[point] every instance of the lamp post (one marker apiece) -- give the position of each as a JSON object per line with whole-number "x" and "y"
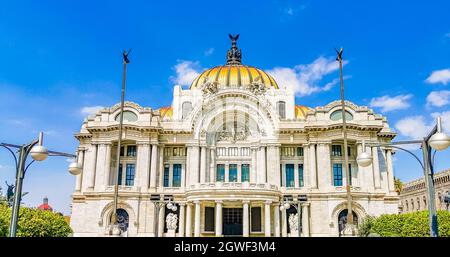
{"x": 114, "y": 226}
{"x": 349, "y": 226}
{"x": 436, "y": 140}
{"x": 160, "y": 202}
{"x": 39, "y": 153}
{"x": 286, "y": 203}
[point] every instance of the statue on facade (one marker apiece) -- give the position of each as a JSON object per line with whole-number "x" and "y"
{"x": 257, "y": 87}
{"x": 209, "y": 87}
{"x": 293, "y": 223}
{"x": 171, "y": 221}
{"x": 234, "y": 55}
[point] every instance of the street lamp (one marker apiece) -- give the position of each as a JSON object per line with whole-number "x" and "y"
{"x": 437, "y": 140}
{"x": 39, "y": 153}
{"x": 161, "y": 202}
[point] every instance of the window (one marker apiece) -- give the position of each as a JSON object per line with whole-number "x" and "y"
{"x": 299, "y": 151}
{"x": 350, "y": 173}
{"x": 131, "y": 150}
{"x": 129, "y": 179}
{"x": 290, "y": 182}
{"x": 176, "y": 180}
{"x": 120, "y": 175}
{"x": 122, "y": 219}
{"x": 232, "y": 175}
{"x": 209, "y": 219}
{"x": 337, "y": 115}
{"x": 187, "y": 107}
{"x": 256, "y": 219}
{"x": 220, "y": 173}
{"x": 300, "y": 175}
{"x": 337, "y": 174}
{"x": 336, "y": 150}
{"x": 281, "y": 108}
{"x": 127, "y": 116}
{"x": 166, "y": 175}
{"x": 245, "y": 173}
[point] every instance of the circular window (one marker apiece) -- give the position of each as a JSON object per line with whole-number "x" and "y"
{"x": 127, "y": 116}
{"x": 337, "y": 115}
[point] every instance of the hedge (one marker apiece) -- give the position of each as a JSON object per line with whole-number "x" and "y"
{"x": 34, "y": 223}
{"x": 415, "y": 224}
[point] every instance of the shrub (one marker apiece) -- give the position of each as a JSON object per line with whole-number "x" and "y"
{"x": 364, "y": 228}
{"x": 36, "y": 223}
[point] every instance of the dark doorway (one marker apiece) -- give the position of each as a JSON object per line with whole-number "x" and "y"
{"x": 342, "y": 220}
{"x": 232, "y": 221}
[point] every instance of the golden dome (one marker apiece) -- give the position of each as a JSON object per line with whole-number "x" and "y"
{"x": 166, "y": 113}
{"x": 301, "y": 111}
{"x": 234, "y": 75}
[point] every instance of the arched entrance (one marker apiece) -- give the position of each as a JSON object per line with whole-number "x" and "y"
{"x": 342, "y": 220}
{"x": 122, "y": 219}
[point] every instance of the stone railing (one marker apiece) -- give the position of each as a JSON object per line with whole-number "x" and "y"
{"x": 122, "y": 188}
{"x": 233, "y": 186}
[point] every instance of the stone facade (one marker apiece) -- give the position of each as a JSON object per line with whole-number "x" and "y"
{"x": 227, "y": 151}
{"x": 414, "y": 195}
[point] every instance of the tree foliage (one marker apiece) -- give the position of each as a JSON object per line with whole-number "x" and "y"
{"x": 35, "y": 223}
{"x": 415, "y": 224}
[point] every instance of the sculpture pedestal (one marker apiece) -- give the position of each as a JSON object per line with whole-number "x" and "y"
{"x": 294, "y": 233}
{"x": 171, "y": 233}
{"x": 350, "y": 231}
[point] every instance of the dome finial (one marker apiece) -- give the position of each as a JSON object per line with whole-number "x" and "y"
{"x": 234, "y": 55}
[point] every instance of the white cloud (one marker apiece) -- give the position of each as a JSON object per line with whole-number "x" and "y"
{"x": 439, "y": 76}
{"x": 304, "y": 79}
{"x": 90, "y": 110}
{"x": 186, "y": 71}
{"x": 438, "y": 98}
{"x": 391, "y": 103}
{"x": 413, "y": 127}
{"x": 209, "y": 51}
{"x": 445, "y": 120}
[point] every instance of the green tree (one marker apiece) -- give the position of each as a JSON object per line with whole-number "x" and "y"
{"x": 35, "y": 223}
{"x": 398, "y": 185}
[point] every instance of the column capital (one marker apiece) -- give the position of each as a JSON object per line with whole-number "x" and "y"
{"x": 305, "y": 204}
{"x": 182, "y": 203}
{"x": 245, "y": 201}
{"x": 219, "y": 201}
{"x": 196, "y": 202}
{"x": 142, "y": 143}
{"x": 268, "y": 202}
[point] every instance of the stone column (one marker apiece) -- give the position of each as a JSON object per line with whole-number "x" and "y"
{"x": 276, "y": 217}
{"x": 323, "y": 166}
{"x": 142, "y": 166}
{"x": 203, "y": 165}
{"x": 197, "y": 219}
{"x": 306, "y": 170}
{"x": 227, "y": 172}
{"x": 246, "y": 219}
{"x": 218, "y": 225}
{"x": 267, "y": 231}
{"x": 212, "y": 165}
{"x": 162, "y": 214}
{"x": 253, "y": 168}
{"x": 188, "y": 219}
{"x": 312, "y": 166}
{"x": 181, "y": 224}
{"x": 92, "y": 166}
{"x": 153, "y": 166}
{"x": 296, "y": 176}
{"x": 273, "y": 165}
{"x": 390, "y": 170}
{"x": 376, "y": 168}
{"x": 305, "y": 219}
{"x": 100, "y": 171}
{"x": 262, "y": 165}
{"x": 108, "y": 164}
{"x": 80, "y": 162}
{"x": 283, "y": 223}
{"x": 161, "y": 166}
{"x": 193, "y": 159}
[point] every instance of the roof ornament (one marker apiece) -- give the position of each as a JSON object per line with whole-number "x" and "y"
{"x": 234, "y": 55}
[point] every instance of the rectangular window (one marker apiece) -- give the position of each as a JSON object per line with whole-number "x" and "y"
{"x": 245, "y": 173}
{"x": 220, "y": 177}
{"x": 349, "y": 152}
{"x": 256, "y": 219}
{"x": 131, "y": 150}
{"x": 232, "y": 173}
{"x": 299, "y": 151}
{"x": 120, "y": 175}
{"x": 209, "y": 219}
{"x": 350, "y": 173}
{"x": 290, "y": 182}
{"x": 337, "y": 174}
{"x": 300, "y": 175}
{"x": 166, "y": 175}
{"x": 336, "y": 150}
{"x": 176, "y": 180}
{"x": 129, "y": 179}
{"x": 121, "y": 150}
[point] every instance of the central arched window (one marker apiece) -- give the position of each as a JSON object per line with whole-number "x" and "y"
{"x": 122, "y": 219}
{"x": 187, "y": 107}
{"x": 127, "y": 116}
{"x": 337, "y": 115}
{"x": 281, "y": 109}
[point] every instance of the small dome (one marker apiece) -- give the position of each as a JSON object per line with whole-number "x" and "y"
{"x": 45, "y": 206}
{"x": 301, "y": 111}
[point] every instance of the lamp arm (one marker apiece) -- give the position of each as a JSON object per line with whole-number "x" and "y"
{"x": 401, "y": 148}
{"x": 26, "y": 168}
{"x": 11, "y": 151}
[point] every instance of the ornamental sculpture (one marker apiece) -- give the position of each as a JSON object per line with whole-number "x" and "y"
{"x": 293, "y": 222}
{"x": 234, "y": 55}
{"x": 257, "y": 87}
{"x": 171, "y": 221}
{"x": 209, "y": 87}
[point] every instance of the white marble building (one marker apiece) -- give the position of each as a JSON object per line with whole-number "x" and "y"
{"x": 227, "y": 151}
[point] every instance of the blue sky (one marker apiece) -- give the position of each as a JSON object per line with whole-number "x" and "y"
{"x": 62, "y": 59}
